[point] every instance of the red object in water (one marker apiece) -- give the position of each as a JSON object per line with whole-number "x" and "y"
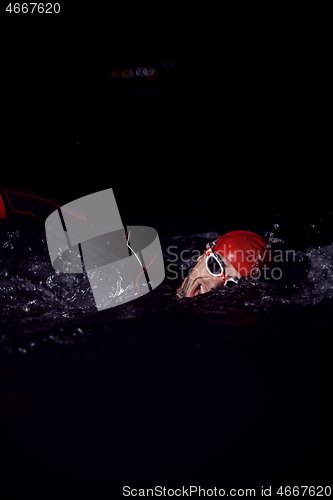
{"x": 243, "y": 249}
{"x": 18, "y": 204}
{"x": 3, "y": 212}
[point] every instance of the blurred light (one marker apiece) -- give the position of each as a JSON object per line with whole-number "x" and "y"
{"x": 117, "y": 72}
{"x": 168, "y": 65}
{"x": 111, "y": 78}
{"x": 152, "y": 76}
{"x": 148, "y": 71}
{"x": 140, "y": 71}
{"x": 127, "y": 73}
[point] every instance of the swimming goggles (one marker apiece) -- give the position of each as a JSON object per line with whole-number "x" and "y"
{"x": 216, "y": 267}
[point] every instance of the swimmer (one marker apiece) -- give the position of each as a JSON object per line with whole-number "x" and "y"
{"x": 226, "y": 260}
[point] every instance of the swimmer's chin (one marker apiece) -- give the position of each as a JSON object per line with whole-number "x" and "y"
{"x": 181, "y": 291}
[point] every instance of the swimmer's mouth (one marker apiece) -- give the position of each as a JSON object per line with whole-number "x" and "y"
{"x": 197, "y": 289}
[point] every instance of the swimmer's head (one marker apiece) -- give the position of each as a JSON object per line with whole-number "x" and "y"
{"x": 226, "y": 260}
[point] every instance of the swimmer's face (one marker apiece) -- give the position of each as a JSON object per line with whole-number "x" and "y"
{"x": 201, "y": 281}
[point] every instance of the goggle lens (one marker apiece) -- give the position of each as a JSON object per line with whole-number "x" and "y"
{"x": 231, "y": 282}
{"x": 214, "y": 266}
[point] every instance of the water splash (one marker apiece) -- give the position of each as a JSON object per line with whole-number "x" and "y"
{"x": 40, "y": 306}
{"x": 320, "y": 275}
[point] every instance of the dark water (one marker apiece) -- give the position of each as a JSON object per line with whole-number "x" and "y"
{"x": 40, "y": 307}
{"x": 230, "y": 386}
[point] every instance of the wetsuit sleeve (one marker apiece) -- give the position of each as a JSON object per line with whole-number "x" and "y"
{"x": 15, "y": 204}
{"x": 3, "y": 211}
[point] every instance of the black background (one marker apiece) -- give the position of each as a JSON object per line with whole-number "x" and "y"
{"x": 236, "y": 132}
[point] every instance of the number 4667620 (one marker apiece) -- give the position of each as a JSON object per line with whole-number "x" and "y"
{"x": 30, "y": 8}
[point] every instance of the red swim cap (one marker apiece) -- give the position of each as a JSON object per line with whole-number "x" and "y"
{"x": 243, "y": 249}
